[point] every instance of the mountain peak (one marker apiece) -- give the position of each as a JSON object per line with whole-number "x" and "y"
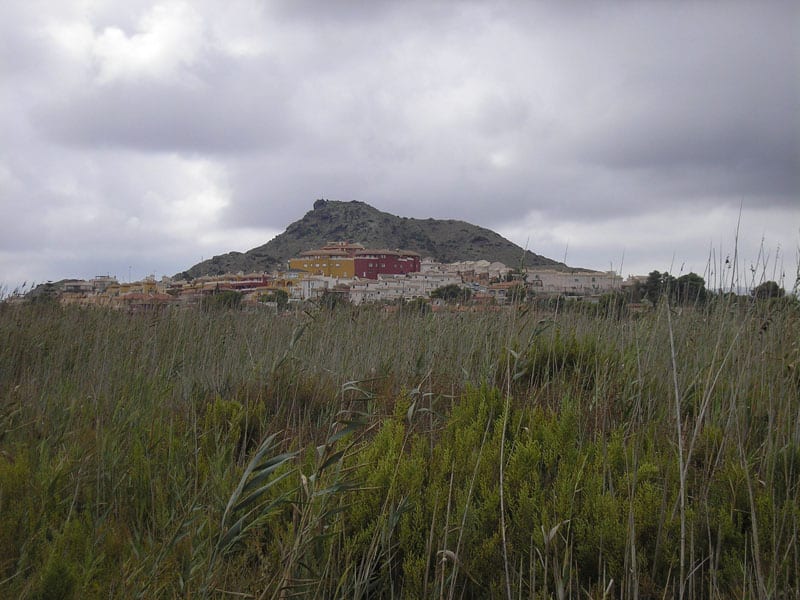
{"x": 445, "y": 240}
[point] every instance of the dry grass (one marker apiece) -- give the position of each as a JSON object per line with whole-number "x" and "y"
{"x": 358, "y": 453}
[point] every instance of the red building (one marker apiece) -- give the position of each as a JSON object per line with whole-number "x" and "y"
{"x": 371, "y": 263}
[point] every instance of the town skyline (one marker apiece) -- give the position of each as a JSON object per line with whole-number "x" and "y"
{"x": 347, "y": 271}
{"x": 720, "y": 271}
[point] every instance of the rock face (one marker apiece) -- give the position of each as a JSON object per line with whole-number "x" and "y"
{"x": 444, "y": 240}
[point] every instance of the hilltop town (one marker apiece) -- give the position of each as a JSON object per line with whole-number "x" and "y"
{"x": 347, "y": 271}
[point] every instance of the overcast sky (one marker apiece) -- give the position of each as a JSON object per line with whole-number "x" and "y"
{"x": 139, "y": 137}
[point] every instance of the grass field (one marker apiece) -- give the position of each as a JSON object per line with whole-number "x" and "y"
{"x": 357, "y": 453}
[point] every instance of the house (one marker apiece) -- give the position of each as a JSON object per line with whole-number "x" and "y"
{"x": 501, "y": 292}
{"x": 335, "y": 259}
{"x": 314, "y": 286}
{"x": 346, "y": 260}
{"x": 369, "y": 264}
{"x": 389, "y": 288}
{"x": 575, "y": 283}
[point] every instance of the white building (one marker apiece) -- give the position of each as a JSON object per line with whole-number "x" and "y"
{"x": 314, "y": 286}
{"x": 100, "y": 283}
{"x": 578, "y": 283}
{"x": 472, "y": 270}
{"x": 393, "y": 287}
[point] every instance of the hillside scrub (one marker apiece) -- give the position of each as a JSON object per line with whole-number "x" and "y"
{"x": 445, "y": 240}
{"x": 350, "y": 452}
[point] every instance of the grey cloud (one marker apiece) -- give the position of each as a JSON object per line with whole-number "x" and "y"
{"x": 362, "y": 13}
{"x": 711, "y": 102}
{"x": 758, "y": 153}
{"x": 20, "y": 55}
{"x": 488, "y": 112}
{"x": 503, "y": 114}
{"x": 223, "y": 113}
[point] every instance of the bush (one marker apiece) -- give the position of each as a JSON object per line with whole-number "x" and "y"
{"x": 452, "y": 293}
{"x": 123, "y": 440}
{"x": 222, "y": 300}
{"x": 279, "y": 297}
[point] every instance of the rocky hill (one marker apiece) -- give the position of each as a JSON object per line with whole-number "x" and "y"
{"x": 444, "y": 240}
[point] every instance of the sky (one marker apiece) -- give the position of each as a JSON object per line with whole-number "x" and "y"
{"x": 140, "y": 137}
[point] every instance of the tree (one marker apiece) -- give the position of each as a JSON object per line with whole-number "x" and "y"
{"x": 279, "y": 297}
{"x": 516, "y": 274}
{"x": 657, "y": 285}
{"x": 613, "y": 305}
{"x": 686, "y": 289}
{"x": 517, "y": 294}
{"x": 45, "y": 292}
{"x": 452, "y": 293}
{"x": 690, "y": 289}
{"x": 223, "y": 299}
{"x": 766, "y": 290}
{"x": 332, "y": 300}
{"x": 634, "y": 293}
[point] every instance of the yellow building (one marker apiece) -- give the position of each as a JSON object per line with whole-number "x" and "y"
{"x": 335, "y": 259}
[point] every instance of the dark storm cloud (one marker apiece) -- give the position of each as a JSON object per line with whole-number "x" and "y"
{"x": 709, "y": 101}
{"x": 724, "y": 137}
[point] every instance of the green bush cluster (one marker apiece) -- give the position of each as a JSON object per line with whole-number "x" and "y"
{"x": 358, "y": 453}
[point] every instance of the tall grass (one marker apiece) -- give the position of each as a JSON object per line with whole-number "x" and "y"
{"x": 357, "y": 453}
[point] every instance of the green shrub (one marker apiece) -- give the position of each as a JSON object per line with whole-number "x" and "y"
{"x": 123, "y": 438}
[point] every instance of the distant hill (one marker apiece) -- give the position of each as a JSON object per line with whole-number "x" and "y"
{"x": 444, "y": 240}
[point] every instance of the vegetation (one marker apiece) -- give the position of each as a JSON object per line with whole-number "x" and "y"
{"x": 768, "y": 289}
{"x": 332, "y": 299}
{"x": 356, "y": 453}
{"x": 686, "y": 289}
{"x": 222, "y": 300}
{"x": 452, "y": 293}
{"x": 279, "y": 297}
{"x": 517, "y": 294}
{"x": 416, "y": 305}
